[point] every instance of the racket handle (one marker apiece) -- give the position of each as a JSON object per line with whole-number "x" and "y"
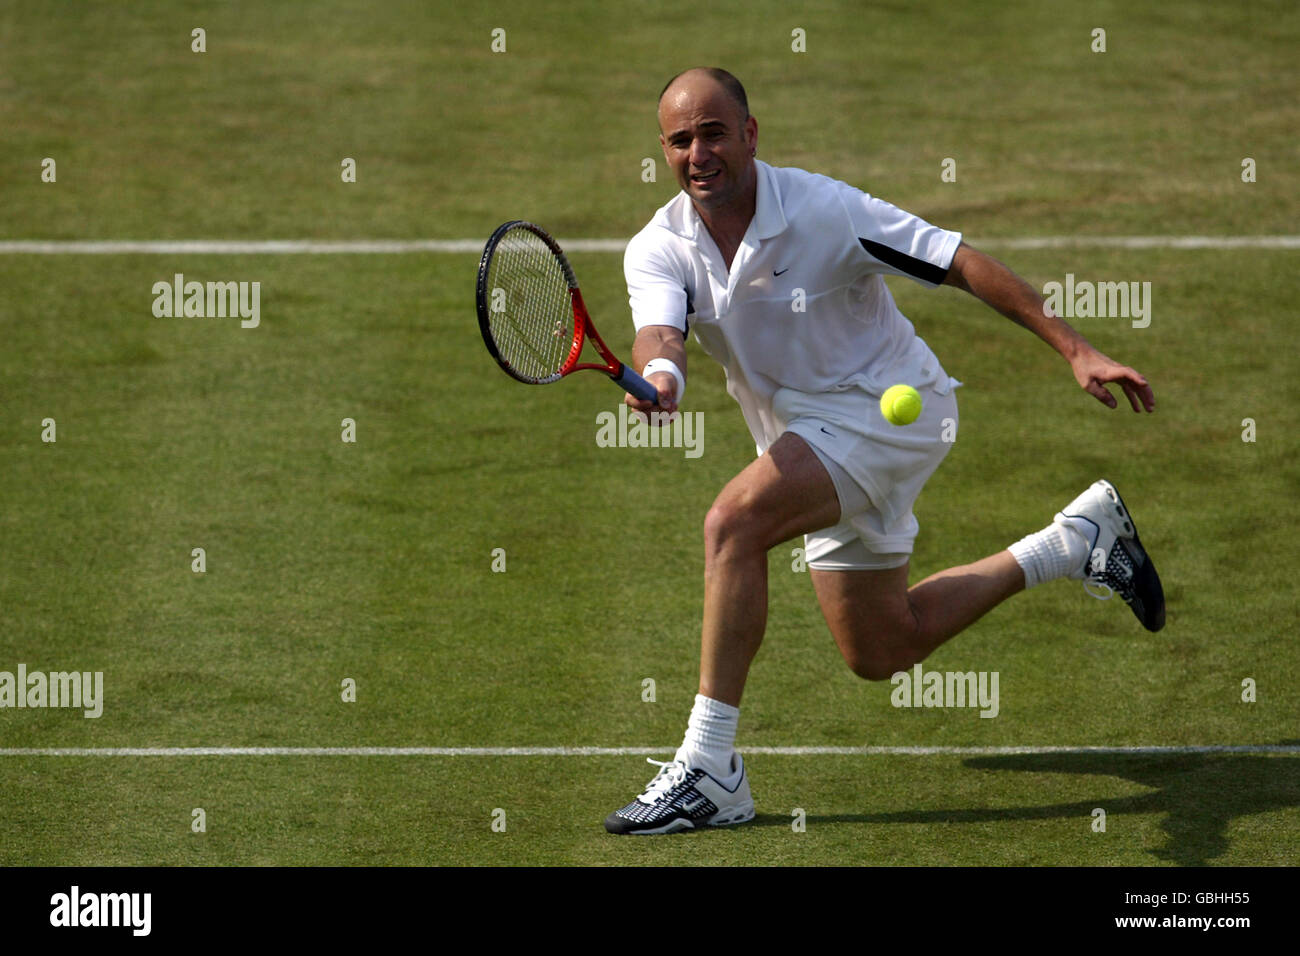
{"x": 630, "y": 381}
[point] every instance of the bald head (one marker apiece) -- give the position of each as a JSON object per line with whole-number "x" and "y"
{"x": 710, "y": 139}
{"x": 697, "y": 80}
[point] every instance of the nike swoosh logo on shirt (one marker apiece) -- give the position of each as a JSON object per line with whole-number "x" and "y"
{"x": 782, "y": 272}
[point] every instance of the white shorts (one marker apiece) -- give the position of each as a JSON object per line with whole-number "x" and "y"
{"x": 878, "y": 469}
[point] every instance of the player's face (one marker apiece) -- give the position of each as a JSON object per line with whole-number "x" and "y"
{"x": 707, "y": 142}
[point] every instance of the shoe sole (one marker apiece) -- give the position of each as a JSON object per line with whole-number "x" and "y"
{"x": 678, "y": 825}
{"x": 1148, "y": 592}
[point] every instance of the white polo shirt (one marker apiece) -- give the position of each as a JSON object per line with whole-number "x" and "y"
{"x": 804, "y": 305}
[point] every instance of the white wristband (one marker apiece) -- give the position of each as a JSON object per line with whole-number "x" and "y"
{"x": 666, "y": 365}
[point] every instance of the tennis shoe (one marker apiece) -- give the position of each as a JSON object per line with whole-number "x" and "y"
{"x": 685, "y": 798}
{"x": 1116, "y": 563}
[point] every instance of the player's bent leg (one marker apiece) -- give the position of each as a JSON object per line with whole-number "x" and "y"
{"x": 881, "y": 626}
{"x": 783, "y": 493}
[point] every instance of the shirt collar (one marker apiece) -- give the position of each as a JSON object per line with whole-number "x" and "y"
{"x": 769, "y": 218}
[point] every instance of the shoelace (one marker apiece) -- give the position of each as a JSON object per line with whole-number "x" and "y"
{"x": 1094, "y": 573}
{"x": 671, "y": 773}
{"x": 1101, "y": 584}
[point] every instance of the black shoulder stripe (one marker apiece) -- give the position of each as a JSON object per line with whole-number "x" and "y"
{"x": 901, "y": 261}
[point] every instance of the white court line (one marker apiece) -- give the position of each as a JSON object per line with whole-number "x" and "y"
{"x": 110, "y": 247}
{"x": 628, "y": 751}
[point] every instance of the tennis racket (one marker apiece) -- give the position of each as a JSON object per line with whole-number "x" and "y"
{"x": 532, "y": 316}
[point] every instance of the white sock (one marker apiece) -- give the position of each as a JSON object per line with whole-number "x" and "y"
{"x": 1059, "y": 550}
{"x": 710, "y": 736}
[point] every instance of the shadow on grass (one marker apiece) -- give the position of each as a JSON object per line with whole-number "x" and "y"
{"x": 1198, "y": 794}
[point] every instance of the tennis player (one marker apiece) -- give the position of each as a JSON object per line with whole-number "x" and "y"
{"x": 732, "y": 257}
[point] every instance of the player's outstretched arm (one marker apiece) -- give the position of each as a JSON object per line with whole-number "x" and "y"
{"x": 994, "y": 284}
{"x": 652, "y": 342}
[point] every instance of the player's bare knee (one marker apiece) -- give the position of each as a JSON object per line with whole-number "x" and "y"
{"x": 728, "y": 527}
{"x": 881, "y": 655}
{"x": 870, "y": 667}
{"x": 881, "y": 667}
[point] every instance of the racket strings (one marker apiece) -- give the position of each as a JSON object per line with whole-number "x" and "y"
{"x": 530, "y": 305}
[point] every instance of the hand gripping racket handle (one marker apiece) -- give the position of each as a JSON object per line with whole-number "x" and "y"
{"x": 630, "y": 381}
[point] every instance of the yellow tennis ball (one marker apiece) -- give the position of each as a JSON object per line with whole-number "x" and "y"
{"x": 901, "y": 404}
